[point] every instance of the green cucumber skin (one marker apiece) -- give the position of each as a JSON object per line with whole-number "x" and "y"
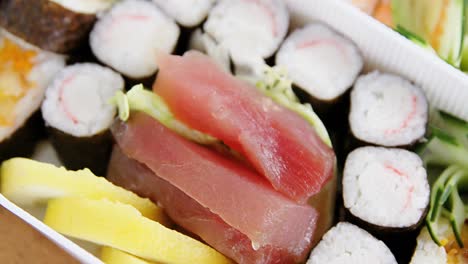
{"x": 420, "y": 17}
{"x": 453, "y": 125}
{"x": 443, "y": 150}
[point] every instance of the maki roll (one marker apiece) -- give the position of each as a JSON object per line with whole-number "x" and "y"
{"x": 188, "y": 14}
{"x": 323, "y": 66}
{"x": 129, "y": 36}
{"x": 258, "y": 34}
{"x": 387, "y": 110}
{"x": 347, "y": 243}
{"x": 25, "y": 72}
{"x": 387, "y": 188}
{"x": 387, "y": 191}
{"x": 54, "y": 25}
{"x": 78, "y": 114}
{"x": 321, "y": 62}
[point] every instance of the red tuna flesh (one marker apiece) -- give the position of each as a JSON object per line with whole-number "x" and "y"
{"x": 279, "y": 143}
{"x": 227, "y": 188}
{"x": 189, "y": 214}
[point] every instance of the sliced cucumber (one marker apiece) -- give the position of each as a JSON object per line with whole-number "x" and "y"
{"x": 414, "y": 38}
{"x": 446, "y": 191}
{"x": 457, "y": 216}
{"x": 436, "y": 205}
{"x": 443, "y": 149}
{"x": 441, "y": 23}
{"x": 449, "y": 44}
{"x": 452, "y": 125}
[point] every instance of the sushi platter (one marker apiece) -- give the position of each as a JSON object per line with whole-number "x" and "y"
{"x": 246, "y": 131}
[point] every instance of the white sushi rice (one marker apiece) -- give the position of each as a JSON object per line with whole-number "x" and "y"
{"x": 85, "y": 6}
{"x": 188, "y": 13}
{"x": 248, "y": 27}
{"x": 129, "y": 36}
{"x": 77, "y": 101}
{"x": 46, "y": 65}
{"x": 385, "y": 187}
{"x": 205, "y": 43}
{"x": 387, "y": 110}
{"x": 320, "y": 61}
{"x": 348, "y": 244}
{"x": 427, "y": 251}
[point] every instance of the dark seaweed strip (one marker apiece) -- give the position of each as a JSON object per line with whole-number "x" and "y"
{"x": 76, "y": 153}
{"x": 46, "y": 24}
{"x": 401, "y": 241}
{"x": 23, "y": 141}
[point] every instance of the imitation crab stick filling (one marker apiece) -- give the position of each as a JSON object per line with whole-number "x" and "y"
{"x": 385, "y": 187}
{"x": 387, "y": 110}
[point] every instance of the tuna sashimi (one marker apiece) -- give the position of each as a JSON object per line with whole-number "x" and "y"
{"x": 229, "y": 189}
{"x": 280, "y": 144}
{"x": 192, "y": 216}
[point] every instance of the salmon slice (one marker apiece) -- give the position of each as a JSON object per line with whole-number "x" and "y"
{"x": 197, "y": 219}
{"x": 281, "y": 145}
{"x": 240, "y": 197}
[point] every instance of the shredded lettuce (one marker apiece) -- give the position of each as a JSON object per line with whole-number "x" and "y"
{"x": 139, "y": 99}
{"x": 275, "y": 84}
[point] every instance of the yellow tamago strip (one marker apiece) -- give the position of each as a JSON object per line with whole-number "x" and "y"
{"x": 121, "y": 226}
{"x": 28, "y": 182}
{"x": 114, "y": 256}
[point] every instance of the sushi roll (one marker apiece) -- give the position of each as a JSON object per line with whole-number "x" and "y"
{"x": 387, "y": 188}
{"x": 54, "y": 25}
{"x": 387, "y": 192}
{"x": 129, "y": 36}
{"x": 25, "y": 72}
{"x": 188, "y": 14}
{"x": 321, "y": 62}
{"x": 347, "y": 243}
{"x": 248, "y": 28}
{"x": 387, "y": 110}
{"x": 78, "y": 115}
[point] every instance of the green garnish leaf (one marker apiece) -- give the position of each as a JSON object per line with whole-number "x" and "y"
{"x": 276, "y": 85}
{"x": 121, "y": 102}
{"x": 139, "y": 99}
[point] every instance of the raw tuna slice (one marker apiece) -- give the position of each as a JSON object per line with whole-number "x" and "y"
{"x": 280, "y": 144}
{"x": 189, "y": 214}
{"x": 243, "y": 199}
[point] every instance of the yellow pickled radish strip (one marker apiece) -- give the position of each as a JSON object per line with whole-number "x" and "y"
{"x": 28, "y": 182}
{"x": 121, "y": 226}
{"x": 114, "y": 256}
